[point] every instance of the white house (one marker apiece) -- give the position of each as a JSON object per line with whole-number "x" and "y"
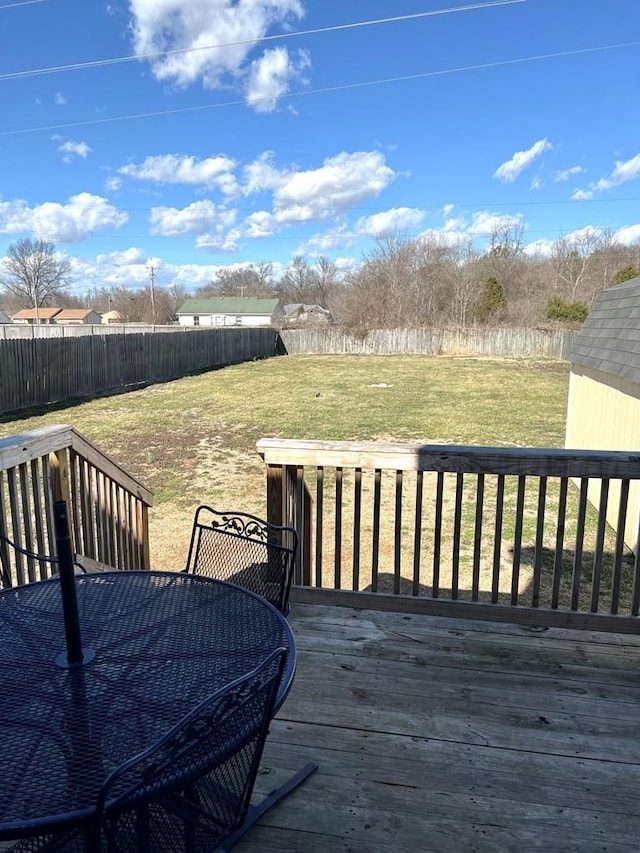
{"x": 231, "y": 311}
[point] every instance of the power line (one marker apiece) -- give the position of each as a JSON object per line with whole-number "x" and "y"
{"x": 21, "y": 3}
{"x": 327, "y": 89}
{"x": 98, "y": 63}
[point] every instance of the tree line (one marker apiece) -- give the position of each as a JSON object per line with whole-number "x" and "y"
{"x": 401, "y": 282}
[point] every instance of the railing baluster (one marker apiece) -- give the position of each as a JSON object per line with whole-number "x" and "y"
{"x": 417, "y": 535}
{"x": 357, "y": 515}
{"x": 37, "y": 497}
{"x": 337, "y": 556}
{"x": 579, "y": 547}
{"x": 457, "y": 532}
{"x": 477, "y": 538}
{"x": 16, "y": 527}
{"x": 497, "y": 540}
{"x": 375, "y": 545}
{"x": 635, "y": 598}
{"x": 558, "y": 561}
{"x": 619, "y": 550}
{"x": 599, "y": 548}
{"x": 539, "y": 546}
{"x": 4, "y": 526}
{"x": 397, "y": 550}
{"x": 437, "y": 534}
{"x": 32, "y": 567}
{"x": 517, "y": 541}
{"x": 319, "y": 520}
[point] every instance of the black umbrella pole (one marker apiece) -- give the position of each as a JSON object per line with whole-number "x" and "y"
{"x": 67, "y": 585}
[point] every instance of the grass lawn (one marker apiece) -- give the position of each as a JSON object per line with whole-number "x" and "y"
{"x": 193, "y": 439}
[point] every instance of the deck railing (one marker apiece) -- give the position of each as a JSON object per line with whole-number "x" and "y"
{"x": 543, "y": 536}
{"x": 108, "y": 509}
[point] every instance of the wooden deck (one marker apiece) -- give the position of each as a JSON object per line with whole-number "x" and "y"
{"x": 452, "y": 735}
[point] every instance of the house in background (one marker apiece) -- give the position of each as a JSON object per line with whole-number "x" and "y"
{"x": 112, "y": 317}
{"x": 307, "y": 315}
{"x": 603, "y": 411}
{"x": 231, "y": 311}
{"x": 36, "y": 316}
{"x": 77, "y": 317}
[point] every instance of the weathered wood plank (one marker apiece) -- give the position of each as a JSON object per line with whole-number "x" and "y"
{"x": 449, "y": 736}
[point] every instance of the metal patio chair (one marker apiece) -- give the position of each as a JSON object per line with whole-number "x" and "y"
{"x": 246, "y": 550}
{"x": 191, "y": 790}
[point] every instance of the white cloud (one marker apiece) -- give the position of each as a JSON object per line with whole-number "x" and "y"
{"x": 129, "y": 257}
{"x": 447, "y": 239}
{"x": 320, "y": 244}
{"x": 511, "y": 169}
{"x": 582, "y": 195}
{"x": 539, "y": 248}
{"x": 59, "y": 98}
{"x": 447, "y": 210}
{"x": 270, "y": 76}
{"x": 263, "y": 175}
{"x": 82, "y": 215}
{"x": 628, "y": 235}
{"x": 537, "y": 183}
{"x": 219, "y": 242}
{"x": 627, "y": 170}
{"x": 130, "y": 268}
{"x": 341, "y": 183}
{"x": 565, "y": 174}
{"x": 71, "y": 149}
{"x": 112, "y": 184}
{"x": 260, "y": 224}
{"x": 200, "y": 217}
{"x": 176, "y": 169}
{"x": 389, "y": 221}
{"x": 162, "y": 25}
{"x": 624, "y": 170}
{"x": 484, "y": 223}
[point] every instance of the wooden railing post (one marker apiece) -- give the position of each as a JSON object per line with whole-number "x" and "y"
{"x": 274, "y": 494}
{"x": 60, "y": 485}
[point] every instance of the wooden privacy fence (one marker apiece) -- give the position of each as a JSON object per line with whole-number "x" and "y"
{"x": 108, "y": 509}
{"x": 519, "y": 343}
{"x": 502, "y": 533}
{"x": 35, "y": 372}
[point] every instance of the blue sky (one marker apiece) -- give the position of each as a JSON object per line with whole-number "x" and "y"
{"x": 283, "y": 141}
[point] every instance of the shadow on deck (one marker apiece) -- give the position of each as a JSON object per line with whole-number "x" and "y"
{"x": 435, "y": 734}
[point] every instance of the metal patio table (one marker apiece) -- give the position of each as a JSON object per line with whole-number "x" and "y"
{"x": 156, "y": 643}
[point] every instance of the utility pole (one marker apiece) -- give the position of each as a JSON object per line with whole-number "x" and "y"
{"x": 152, "y": 277}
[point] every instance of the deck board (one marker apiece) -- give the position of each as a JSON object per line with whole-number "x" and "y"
{"x": 450, "y": 735}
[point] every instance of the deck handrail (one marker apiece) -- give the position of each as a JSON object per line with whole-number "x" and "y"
{"x": 543, "y": 528}
{"x": 108, "y": 508}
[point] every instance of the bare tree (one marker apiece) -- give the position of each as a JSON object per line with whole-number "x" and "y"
{"x": 573, "y": 260}
{"x": 466, "y": 283}
{"x": 33, "y": 272}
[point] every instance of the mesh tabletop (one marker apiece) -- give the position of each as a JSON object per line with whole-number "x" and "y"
{"x": 162, "y": 643}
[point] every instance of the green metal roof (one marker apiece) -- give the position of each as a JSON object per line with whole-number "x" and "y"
{"x": 237, "y": 305}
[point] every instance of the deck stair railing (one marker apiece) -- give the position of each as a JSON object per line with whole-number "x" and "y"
{"x": 107, "y": 508}
{"x": 545, "y": 536}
